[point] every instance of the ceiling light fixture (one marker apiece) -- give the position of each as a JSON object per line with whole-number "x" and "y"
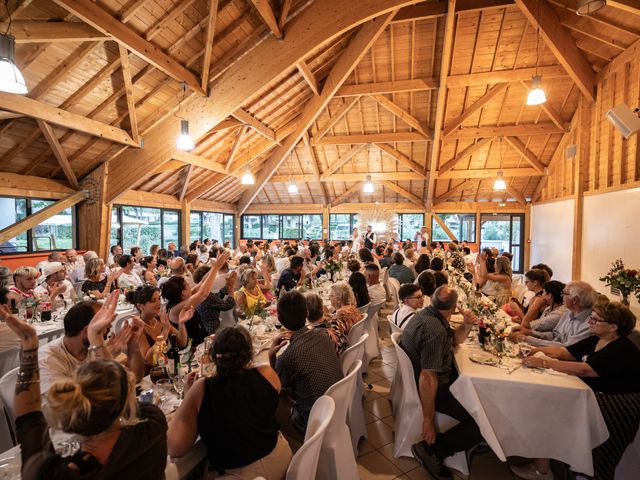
{"x": 499, "y": 185}
{"x": 589, "y": 7}
{"x": 247, "y": 178}
{"x": 368, "y": 185}
{"x": 293, "y": 188}
{"x": 11, "y": 79}
{"x": 536, "y": 94}
{"x": 184, "y": 141}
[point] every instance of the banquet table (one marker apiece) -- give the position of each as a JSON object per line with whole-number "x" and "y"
{"x": 530, "y": 412}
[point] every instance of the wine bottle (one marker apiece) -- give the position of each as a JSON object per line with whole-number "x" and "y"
{"x": 173, "y": 356}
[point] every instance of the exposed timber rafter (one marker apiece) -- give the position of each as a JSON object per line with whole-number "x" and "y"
{"x": 395, "y": 86}
{"x": 58, "y": 152}
{"x": 404, "y": 115}
{"x": 48, "y": 32}
{"x": 355, "y": 188}
{"x": 401, "y": 158}
{"x": 208, "y": 43}
{"x": 344, "y": 158}
{"x": 466, "y": 153}
{"x": 128, "y": 85}
{"x": 466, "y": 185}
{"x": 308, "y": 76}
{"x": 474, "y": 108}
{"x": 185, "y": 182}
{"x": 523, "y": 130}
{"x": 251, "y": 121}
{"x": 268, "y": 16}
{"x": 335, "y": 118}
{"x": 399, "y": 137}
{"x": 405, "y": 193}
{"x": 522, "y": 149}
{"x": 315, "y": 165}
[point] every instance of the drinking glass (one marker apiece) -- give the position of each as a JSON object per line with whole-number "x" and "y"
{"x": 156, "y": 373}
{"x": 164, "y": 387}
{"x": 525, "y": 349}
{"x": 178, "y": 386}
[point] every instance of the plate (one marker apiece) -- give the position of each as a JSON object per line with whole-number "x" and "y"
{"x": 483, "y": 359}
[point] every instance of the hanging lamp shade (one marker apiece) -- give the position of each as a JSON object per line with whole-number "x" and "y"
{"x": 589, "y": 7}
{"x": 247, "y": 178}
{"x": 184, "y": 142}
{"x": 11, "y": 80}
{"x": 368, "y": 185}
{"x": 499, "y": 185}
{"x": 536, "y": 94}
{"x": 293, "y": 189}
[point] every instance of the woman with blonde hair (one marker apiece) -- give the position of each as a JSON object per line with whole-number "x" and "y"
{"x": 344, "y": 302}
{"x": 496, "y": 286}
{"x": 95, "y": 285}
{"x": 250, "y": 294}
{"x": 118, "y": 437}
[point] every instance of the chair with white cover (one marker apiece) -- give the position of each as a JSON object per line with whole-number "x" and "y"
{"x": 364, "y": 309}
{"x": 304, "y": 463}
{"x": 9, "y": 360}
{"x": 7, "y": 395}
{"x": 355, "y": 415}
{"x": 394, "y": 288}
{"x": 396, "y": 384}
{"x": 356, "y": 331}
{"x": 384, "y": 275}
{"x": 393, "y": 328}
{"x": 77, "y": 287}
{"x": 408, "y": 417}
{"x": 337, "y": 459}
{"x": 372, "y": 348}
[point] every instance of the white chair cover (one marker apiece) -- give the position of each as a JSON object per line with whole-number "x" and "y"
{"x": 337, "y": 459}
{"x": 394, "y": 288}
{"x": 7, "y": 395}
{"x": 356, "y": 332}
{"x": 9, "y": 360}
{"x": 393, "y": 328}
{"x": 304, "y": 463}
{"x": 408, "y": 419}
{"x": 364, "y": 309}
{"x": 396, "y": 384}
{"x": 355, "y": 415}
{"x": 384, "y": 275}
{"x": 372, "y": 348}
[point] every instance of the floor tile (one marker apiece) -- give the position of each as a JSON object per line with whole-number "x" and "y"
{"x": 379, "y": 434}
{"x": 419, "y": 474}
{"x": 375, "y": 466}
{"x": 490, "y": 466}
{"x": 388, "y": 420}
{"x": 369, "y": 417}
{"x": 380, "y": 407}
{"x": 405, "y": 464}
{"x": 382, "y": 387}
{"x": 364, "y": 447}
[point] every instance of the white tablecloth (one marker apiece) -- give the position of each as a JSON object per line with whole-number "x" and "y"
{"x": 529, "y": 414}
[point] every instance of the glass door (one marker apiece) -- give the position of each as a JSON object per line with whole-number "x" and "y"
{"x": 504, "y": 231}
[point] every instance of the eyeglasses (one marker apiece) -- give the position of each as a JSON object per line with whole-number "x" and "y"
{"x": 593, "y": 319}
{"x": 415, "y": 298}
{"x": 565, "y": 293}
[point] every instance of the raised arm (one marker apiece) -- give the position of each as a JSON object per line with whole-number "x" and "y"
{"x": 207, "y": 282}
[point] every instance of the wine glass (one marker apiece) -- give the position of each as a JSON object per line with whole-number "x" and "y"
{"x": 156, "y": 373}
{"x": 164, "y": 387}
{"x": 178, "y": 386}
{"x": 525, "y": 349}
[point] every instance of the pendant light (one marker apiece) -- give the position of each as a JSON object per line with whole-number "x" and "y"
{"x": 184, "y": 141}
{"x": 247, "y": 178}
{"x": 589, "y": 7}
{"x": 11, "y": 79}
{"x": 368, "y": 185}
{"x": 499, "y": 185}
{"x": 536, "y": 94}
{"x": 293, "y": 188}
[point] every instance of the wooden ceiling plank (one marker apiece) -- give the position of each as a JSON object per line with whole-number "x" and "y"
{"x": 235, "y": 148}
{"x": 178, "y": 10}
{"x": 47, "y": 32}
{"x": 628, "y": 6}
{"x": 133, "y": 9}
{"x": 525, "y": 153}
{"x": 370, "y": 138}
{"x": 402, "y": 159}
{"x": 492, "y": 173}
{"x": 505, "y": 76}
{"x": 394, "y": 86}
{"x": 404, "y": 115}
{"x": 308, "y": 76}
{"x": 560, "y": 42}
{"x": 100, "y": 19}
{"x": 337, "y": 115}
{"x": 344, "y": 159}
{"x": 251, "y": 121}
{"x": 474, "y": 108}
{"x": 359, "y": 45}
{"x": 198, "y": 161}
{"x": 58, "y": 152}
{"x": 445, "y": 65}
{"x": 355, "y": 188}
{"x": 467, "y": 184}
{"x": 284, "y": 13}
{"x": 401, "y": 191}
{"x": 466, "y": 153}
{"x": 522, "y": 130}
{"x": 128, "y": 86}
{"x": 429, "y": 10}
{"x": 208, "y": 43}
{"x": 268, "y": 16}
{"x": 185, "y": 182}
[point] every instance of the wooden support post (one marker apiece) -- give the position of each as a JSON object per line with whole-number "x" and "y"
{"x": 326, "y": 215}
{"x": 185, "y": 223}
{"x": 32, "y": 220}
{"x": 444, "y": 227}
{"x": 94, "y": 227}
{"x": 527, "y": 239}
{"x": 236, "y": 229}
{"x": 581, "y": 168}
{"x": 478, "y": 228}
{"x": 428, "y": 220}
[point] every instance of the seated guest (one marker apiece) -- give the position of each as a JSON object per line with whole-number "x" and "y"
{"x": 542, "y": 266}
{"x": 366, "y": 257}
{"x": 128, "y": 279}
{"x": 177, "y": 268}
{"x": 5, "y": 277}
{"x": 572, "y": 327}
{"x": 410, "y": 257}
{"x": 234, "y": 412}
{"x": 401, "y": 272}
{"x": 336, "y": 330}
{"x": 307, "y": 368}
{"x": 78, "y": 275}
{"x": 532, "y": 304}
{"x": 427, "y": 282}
{"x": 284, "y": 262}
{"x": 59, "y": 290}
{"x": 147, "y": 301}
{"x": 148, "y": 265}
{"x": 387, "y": 258}
{"x": 24, "y": 281}
{"x": 9, "y": 341}
{"x": 428, "y": 340}
{"x": 437, "y": 264}
{"x": 71, "y": 261}
{"x": 115, "y": 250}
{"x": 496, "y": 286}
{"x": 179, "y": 295}
{"x": 344, "y": 303}
{"x": 291, "y": 277}
{"x": 422, "y": 263}
{"x": 119, "y": 438}
{"x": 552, "y": 296}
{"x": 377, "y": 292}
{"x": 354, "y": 265}
{"x": 97, "y": 284}
{"x": 53, "y": 257}
{"x": 358, "y": 284}
{"x": 411, "y": 300}
{"x": 250, "y": 296}
{"x": 609, "y": 363}
{"x": 61, "y": 357}
{"x": 441, "y": 278}
{"x": 218, "y": 310}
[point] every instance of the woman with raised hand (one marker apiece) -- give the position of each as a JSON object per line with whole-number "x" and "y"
{"x": 118, "y": 437}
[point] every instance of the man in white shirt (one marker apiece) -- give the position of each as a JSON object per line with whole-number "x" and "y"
{"x": 411, "y": 300}
{"x": 56, "y": 286}
{"x": 128, "y": 279}
{"x": 421, "y": 238}
{"x": 377, "y": 292}
{"x": 284, "y": 262}
{"x": 115, "y": 250}
{"x": 72, "y": 261}
{"x": 53, "y": 257}
{"x": 369, "y": 238}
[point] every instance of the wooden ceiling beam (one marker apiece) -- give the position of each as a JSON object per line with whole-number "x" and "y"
{"x": 235, "y": 148}
{"x": 402, "y": 158}
{"x": 628, "y": 6}
{"x": 128, "y": 87}
{"x": 474, "y": 108}
{"x": 444, "y": 227}
{"x": 337, "y": 115}
{"x": 394, "y": 86}
{"x": 238, "y": 82}
{"x": 370, "y": 138}
{"x": 15, "y": 185}
{"x": 403, "y": 114}
{"x": 505, "y": 76}
{"x": 315, "y": 165}
{"x": 506, "y": 130}
{"x": 467, "y": 184}
{"x": 100, "y": 19}
{"x": 251, "y": 121}
{"x": 466, "y": 153}
{"x": 58, "y": 152}
{"x": 359, "y": 45}
{"x": 284, "y": 13}
{"x": 525, "y": 153}
{"x": 355, "y": 188}
{"x": 401, "y": 191}
{"x": 348, "y": 177}
{"x": 517, "y": 195}
{"x": 50, "y": 32}
{"x": 57, "y": 116}
{"x": 560, "y": 42}
{"x": 185, "y": 182}
{"x": 173, "y": 15}
{"x": 430, "y": 10}
{"x": 353, "y": 151}
{"x": 208, "y": 44}
{"x": 308, "y": 76}
{"x": 492, "y": 173}
{"x": 198, "y": 161}
{"x": 268, "y": 16}
{"x": 130, "y": 12}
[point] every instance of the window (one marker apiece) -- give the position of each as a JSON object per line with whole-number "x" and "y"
{"x": 228, "y": 226}
{"x": 409, "y": 224}
{"x": 143, "y": 227}
{"x": 55, "y": 233}
{"x": 341, "y": 225}
{"x": 462, "y": 225}
{"x": 272, "y": 227}
{"x": 504, "y": 232}
{"x": 195, "y": 226}
{"x": 211, "y": 225}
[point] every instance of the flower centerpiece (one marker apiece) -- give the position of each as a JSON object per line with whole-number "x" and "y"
{"x": 332, "y": 267}
{"x": 626, "y": 280}
{"x": 499, "y": 331}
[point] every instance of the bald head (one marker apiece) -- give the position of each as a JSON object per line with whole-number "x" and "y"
{"x": 177, "y": 266}
{"x": 444, "y": 298}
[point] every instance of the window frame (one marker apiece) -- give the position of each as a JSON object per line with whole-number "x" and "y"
{"x": 223, "y": 228}
{"x": 458, "y": 233}
{"x": 119, "y": 209}
{"x": 520, "y": 244}
{"x": 401, "y": 225}
{"x": 280, "y": 216}
{"x": 352, "y": 224}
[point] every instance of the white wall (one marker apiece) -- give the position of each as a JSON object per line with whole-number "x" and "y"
{"x": 610, "y": 230}
{"x": 552, "y": 237}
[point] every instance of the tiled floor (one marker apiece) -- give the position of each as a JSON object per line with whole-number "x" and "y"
{"x": 375, "y": 460}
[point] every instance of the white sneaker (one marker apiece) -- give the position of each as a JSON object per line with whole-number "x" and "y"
{"x": 529, "y": 472}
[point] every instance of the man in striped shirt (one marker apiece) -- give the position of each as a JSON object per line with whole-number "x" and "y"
{"x": 428, "y": 340}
